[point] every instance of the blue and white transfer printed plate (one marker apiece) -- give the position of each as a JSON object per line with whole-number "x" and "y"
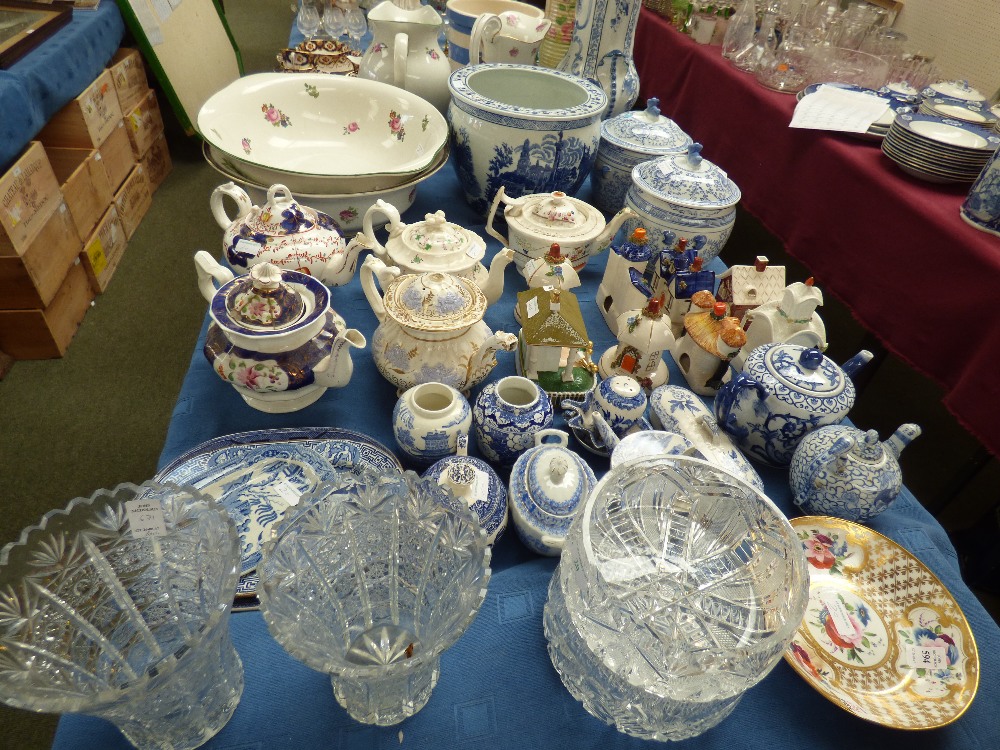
{"x": 258, "y": 475}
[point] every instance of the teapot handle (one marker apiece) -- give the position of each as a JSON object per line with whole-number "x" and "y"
{"x": 399, "y": 52}
{"x": 841, "y": 445}
{"x": 500, "y": 196}
{"x": 369, "y": 269}
{"x": 209, "y": 272}
{"x": 727, "y": 397}
{"x": 238, "y": 194}
{"x": 368, "y": 228}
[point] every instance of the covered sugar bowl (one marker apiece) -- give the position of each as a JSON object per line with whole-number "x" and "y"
{"x": 547, "y": 485}
{"x": 784, "y": 392}
{"x": 273, "y": 335}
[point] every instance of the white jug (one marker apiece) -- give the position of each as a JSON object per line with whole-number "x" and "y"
{"x": 510, "y": 37}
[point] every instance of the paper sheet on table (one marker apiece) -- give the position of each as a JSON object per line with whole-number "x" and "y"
{"x": 831, "y": 108}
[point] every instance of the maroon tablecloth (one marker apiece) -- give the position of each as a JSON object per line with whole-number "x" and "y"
{"x": 891, "y": 247}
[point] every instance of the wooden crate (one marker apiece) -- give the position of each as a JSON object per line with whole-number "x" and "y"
{"x": 157, "y": 163}
{"x": 30, "y": 280}
{"x": 116, "y": 153}
{"x": 85, "y": 185}
{"x": 129, "y": 76}
{"x": 46, "y": 333}
{"x": 103, "y": 249}
{"x": 145, "y": 124}
{"x": 29, "y": 195}
{"x": 88, "y": 120}
{"x": 133, "y": 200}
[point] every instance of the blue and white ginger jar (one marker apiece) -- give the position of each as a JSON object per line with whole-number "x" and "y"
{"x": 428, "y": 420}
{"x": 506, "y": 415}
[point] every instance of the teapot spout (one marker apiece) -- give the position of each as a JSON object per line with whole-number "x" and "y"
{"x": 486, "y": 359}
{"x": 493, "y": 288}
{"x": 338, "y": 367}
{"x": 855, "y": 363}
{"x": 901, "y": 438}
{"x": 339, "y": 269}
{"x": 604, "y": 240}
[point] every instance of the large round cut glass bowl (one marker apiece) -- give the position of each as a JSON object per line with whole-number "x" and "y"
{"x": 679, "y": 588}
{"x": 370, "y": 582}
{"x": 323, "y": 134}
{"x": 118, "y": 606}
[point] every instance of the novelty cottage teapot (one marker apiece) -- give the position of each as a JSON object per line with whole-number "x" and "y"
{"x": 273, "y": 335}
{"x": 285, "y": 233}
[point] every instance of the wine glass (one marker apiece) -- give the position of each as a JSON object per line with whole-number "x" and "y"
{"x": 357, "y": 24}
{"x": 334, "y": 22}
{"x": 307, "y": 20}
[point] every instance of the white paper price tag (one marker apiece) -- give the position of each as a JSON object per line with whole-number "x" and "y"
{"x": 286, "y": 492}
{"x": 480, "y": 484}
{"x": 532, "y": 307}
{"x": 838, "y": 613}
{"x": 927, "y": 657}
{"x": 247, "y": 247}
{"x": 145, "y": 518}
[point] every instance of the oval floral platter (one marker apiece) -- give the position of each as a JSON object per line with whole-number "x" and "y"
{"x": 882, "y": 637}
{"x": 258, "y": 475}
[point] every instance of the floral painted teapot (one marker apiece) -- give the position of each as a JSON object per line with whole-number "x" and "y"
{"x": 535, "y": 221}
{"x": 436, "y": 244}
{"x": 430, "y": 327}
{"x": 845, "y": 472}
{"x": 273, "y": 335}
{"x": 284, "y": 233}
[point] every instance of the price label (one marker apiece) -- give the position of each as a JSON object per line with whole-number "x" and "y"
{"x": 145, "y": 518}
{"x": 480, "y": 484}
{"x": 531, "y": 307}
{"x": 286, "y": 491}
{"x": 247, "y": 247}
{"x": 839, "y": 615}
{"x": 927, "y": 657}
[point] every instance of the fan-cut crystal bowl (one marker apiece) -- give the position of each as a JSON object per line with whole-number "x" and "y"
{"x": 118, "y": 606}
{"x": 679, "y": 588}
{"x": 370, "y": 581}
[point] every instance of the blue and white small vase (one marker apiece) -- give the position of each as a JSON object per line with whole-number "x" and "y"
{"x": 427, "y": 421}
{"x": 506, "y": 415}
{"x": 473, "y": 481}
{"x": 547, "y": 485}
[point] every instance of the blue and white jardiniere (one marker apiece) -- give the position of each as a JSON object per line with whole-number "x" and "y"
{"x": 473, "y": 481}
{"x": 842, "y": 471}
{"x": 784, "y": 392}
{"x": 981, "y": 207}
{"x": 683, "y": 196}
{"x": 428, "y": 420}
{"x": 525, "y": 128}
{"x": 506, "y": 415}
{"x": 547, "y": 485}
{"x": 627, "y": 140}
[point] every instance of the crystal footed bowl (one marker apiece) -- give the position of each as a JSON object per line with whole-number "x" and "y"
{"x": 370, "y": 582}
{"x": 118, "y": 606}
{"x": 679, "y": 588}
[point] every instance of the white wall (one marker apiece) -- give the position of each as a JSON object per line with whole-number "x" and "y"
{"x": 963, "y": 36}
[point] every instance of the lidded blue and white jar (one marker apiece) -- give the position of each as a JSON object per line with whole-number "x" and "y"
{"x": 547, "y": 486}
{"x": 686, "y": 196}
{"x": 506, "y": 415}
{"x": 627, "y": 140}
{"x": 473, "y": 481}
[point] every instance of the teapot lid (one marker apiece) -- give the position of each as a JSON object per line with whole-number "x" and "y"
{"x": 555, "y": 216}
{"x": 435, "y": 244}
{"x": 552, "y": 479}
{"x": 434, "y": 301}
{"x": 647, "y": 132}
{"x": 803, "y": 376}
{"x": 269, "y": 300}
{"x": 687, "y": 180}
{"x": 282, "y": 215}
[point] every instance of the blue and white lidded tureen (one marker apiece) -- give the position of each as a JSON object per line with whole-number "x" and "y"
{"x": 686, "y": 195}
{"x": 547, "y": 485}
{"x": 784, "y": 392}
{"x": 627, "y": 140}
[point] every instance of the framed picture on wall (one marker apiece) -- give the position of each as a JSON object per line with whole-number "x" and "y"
{"x": 24, "y": 25}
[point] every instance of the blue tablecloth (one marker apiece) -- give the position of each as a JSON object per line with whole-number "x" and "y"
{"x": 54, "y": 73}
{"x": 498, "y": 688}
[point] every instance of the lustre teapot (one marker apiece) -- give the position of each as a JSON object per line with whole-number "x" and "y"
{"x": 784, "y": 391}
{"x": 436, "y": 244}
{"x": 273, "y": 335}
{"x": 285, "y": 233}
{"x": 535, "y": 221}
{"x": 845, "y": 472}
{"x": 430, "y": 327}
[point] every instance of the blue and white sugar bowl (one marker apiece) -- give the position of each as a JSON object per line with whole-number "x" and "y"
{"x": 626, "y": 140}
{"x": 784, "y": 392}
{"x": 684, "y": 196}
{"x": 547, "y": 485}
{"x": 506, "y": 415}
{"x": 474, "y": 482}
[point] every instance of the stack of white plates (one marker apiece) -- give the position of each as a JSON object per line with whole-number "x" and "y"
{"x": 978, "y": 113}
{"x": 939, "y": 149}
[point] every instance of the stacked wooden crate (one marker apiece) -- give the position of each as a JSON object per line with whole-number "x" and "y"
{"x": 70, "y": 203}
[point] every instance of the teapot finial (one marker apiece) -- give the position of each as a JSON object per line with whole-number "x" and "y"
{"x": 694, "y": 154}
{"x": 811, "y": 358}
{"x": 436, "y": 218}
{"x": 265, "y": 276}
{"x": 653, "y": 107}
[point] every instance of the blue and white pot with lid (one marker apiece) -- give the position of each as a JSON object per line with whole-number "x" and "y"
{"x": 686, "y": 195}
{"x": 548, "y": 483}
